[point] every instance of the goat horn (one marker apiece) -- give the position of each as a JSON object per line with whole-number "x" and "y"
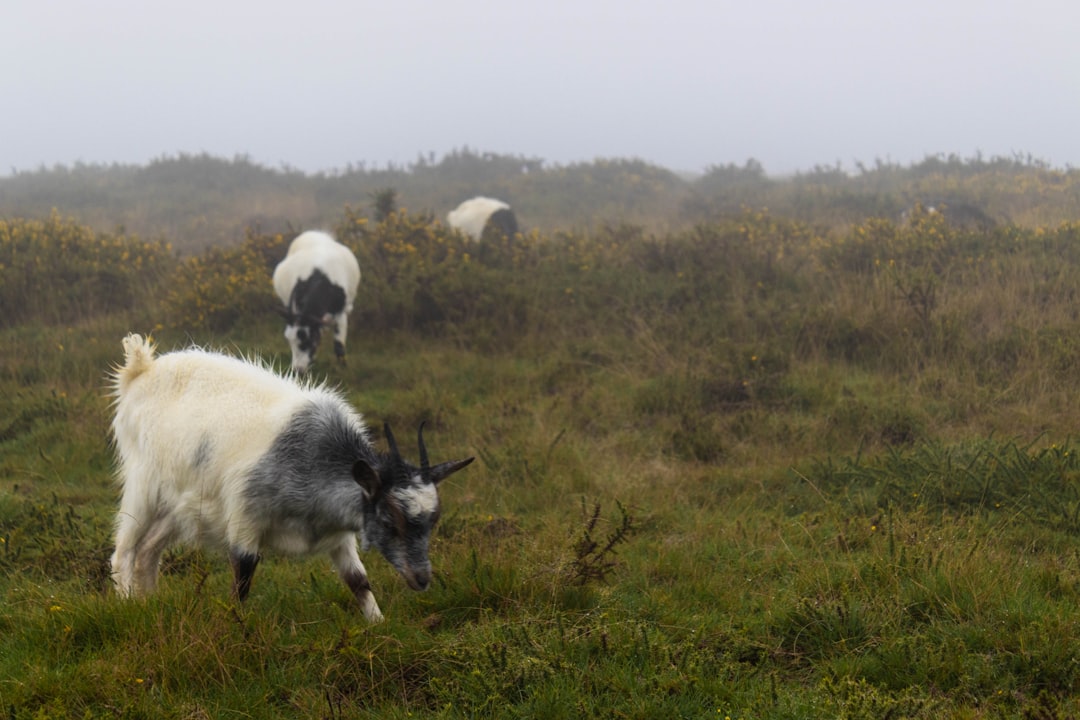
{"x": 443, "y": 470}
{"x": 423, "y": 450}
{"x": 390, "y": 440}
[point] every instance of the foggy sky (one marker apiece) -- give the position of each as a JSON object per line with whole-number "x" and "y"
{"x": 684, "y": 84}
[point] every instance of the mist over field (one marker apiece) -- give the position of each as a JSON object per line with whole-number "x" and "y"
{"x": 682, "y": 85}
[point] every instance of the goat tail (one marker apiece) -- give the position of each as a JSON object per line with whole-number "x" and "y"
{"x": 138, "y": 357}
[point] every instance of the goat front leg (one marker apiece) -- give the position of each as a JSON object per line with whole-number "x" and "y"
{"x": 243, "y": 564}
{"x": 354, "y": 575}
{"x": 341, "y": 329}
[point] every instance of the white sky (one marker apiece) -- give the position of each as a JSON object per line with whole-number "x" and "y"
{"x": 685, "y": 84}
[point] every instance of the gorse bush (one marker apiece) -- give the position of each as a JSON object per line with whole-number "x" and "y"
{"x": 217, "y": 289}
{"x": 420, "y": 275}
{"x": 58, "y": 271}
{"x": 877, "y": 295}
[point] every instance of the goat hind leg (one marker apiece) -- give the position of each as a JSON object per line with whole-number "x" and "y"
{"x": 148, "y": 554}
{"x": 130, "y": 533}
{"x": 123, "y": 557}
{"x": 243, "y": 564}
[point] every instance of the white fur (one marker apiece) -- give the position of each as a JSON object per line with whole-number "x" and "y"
{"x": 166, "y": 409}
{"x": 418, "y": 500}
{"x": 471, "y": 216}
{"x": 189, "y": 427}
{"x": 311, "y": 251}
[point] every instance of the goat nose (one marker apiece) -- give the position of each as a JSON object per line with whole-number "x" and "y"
{"x": 420, "y": 579}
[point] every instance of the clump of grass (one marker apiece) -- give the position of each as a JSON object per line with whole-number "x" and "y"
{"x": 820, "y": 628}
{"x": 49, "y": 540}
{"x": 983, "y": 476}
{"x": 847, "y": 697}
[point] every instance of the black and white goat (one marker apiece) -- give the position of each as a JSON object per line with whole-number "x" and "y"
{"x": 221, "y": 451}
{"x": 317, "y": 283}
{"x": 483, "y": 214}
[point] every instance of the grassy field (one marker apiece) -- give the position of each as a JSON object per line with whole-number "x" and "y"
{"x": 748, "y": 470}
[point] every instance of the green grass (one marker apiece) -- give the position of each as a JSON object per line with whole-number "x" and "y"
{"x": 765, "y": 490}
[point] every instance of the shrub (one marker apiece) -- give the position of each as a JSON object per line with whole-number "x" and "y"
{"x": 56, "y": 271}
{"x": 215, "y": 290}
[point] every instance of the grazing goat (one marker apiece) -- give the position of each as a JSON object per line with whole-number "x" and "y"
{"x": 221, "y": 451}
{"x": 317, "y": 283}
{"x": 474, "y": 217}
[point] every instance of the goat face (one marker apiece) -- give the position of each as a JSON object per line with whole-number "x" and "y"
{"x": 402, "y": 509}
{"x": 303, "y": 334}
{"x": 399, "y": 525}
{"x": 314, "y": 303}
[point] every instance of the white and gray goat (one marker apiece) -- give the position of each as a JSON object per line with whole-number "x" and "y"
{"x": 317, "y": 284}
{"x": 483, "y": 214}
{"x": 221, "y": 451}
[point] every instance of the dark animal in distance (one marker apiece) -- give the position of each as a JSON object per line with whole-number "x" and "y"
{"x": 482, "y": 215}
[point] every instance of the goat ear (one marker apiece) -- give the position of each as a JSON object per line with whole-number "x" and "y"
{"x": 444, "y": 470}
{"x": 285, "y": 314}
{"x": 367, "y": 478}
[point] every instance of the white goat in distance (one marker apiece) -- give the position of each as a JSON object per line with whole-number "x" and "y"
{"x": 317, "y": 284}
